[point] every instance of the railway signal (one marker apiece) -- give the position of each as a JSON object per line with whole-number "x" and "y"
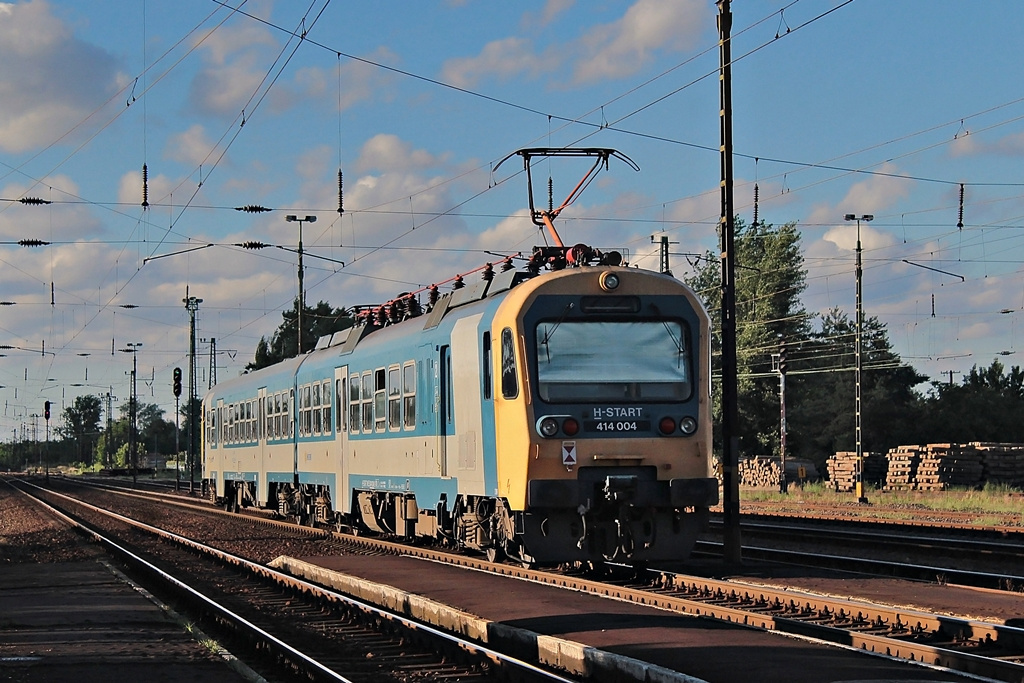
{"x": 46, "y": 410}
{"x": 177, "y": 382}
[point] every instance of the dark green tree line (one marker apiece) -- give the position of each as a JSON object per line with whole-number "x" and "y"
{"x": 317, "y": 321}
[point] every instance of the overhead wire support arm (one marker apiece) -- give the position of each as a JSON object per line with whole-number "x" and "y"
{"x": 175, "y": 253}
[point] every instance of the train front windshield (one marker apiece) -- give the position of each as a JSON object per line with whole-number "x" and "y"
{"x": 620, "y": 362}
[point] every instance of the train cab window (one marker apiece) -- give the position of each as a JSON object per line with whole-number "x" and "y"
{"x": 367, "y": 402}
{"x": 318, "y": 423}
{"x": 354, "y": 407}
{"x": 509, "y": 375}
{"x": 409, "y": 394}
{"x": 486, "y": 342}
{"x": 380, "y": 418}
{"x": 326, "y": 405}
{"x": 394, "y": 398}
{"x": 601, "y": 361}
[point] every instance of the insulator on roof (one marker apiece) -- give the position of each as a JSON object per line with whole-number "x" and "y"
{"x": 488, "y": 273}
{"x": 459, "y": 282}
{"x": 507, "y": 265}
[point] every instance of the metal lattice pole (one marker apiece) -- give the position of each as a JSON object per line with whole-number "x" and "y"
{"x": 192, "y": 304}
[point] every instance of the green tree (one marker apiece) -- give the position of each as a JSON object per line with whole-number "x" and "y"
{"x": 769, "y": 280}
{"x": 317, "y": 321}
{"x": 81, "y": 425}
{"x": 823, "y": 417}
{"x": 986, "y": 406}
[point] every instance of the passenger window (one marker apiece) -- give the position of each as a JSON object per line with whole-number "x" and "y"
{"x": 367, "y": 402}
{"x": 409, "y": 394}
{"x": 326, "y": 403}
{"x": 353, "y": 403}
{"x": 379, "y": 400}
{"x": 339, "y": 402}
{"x": 318, "y": 425}
{"x": 509, "y": 374}
{"x": 394, "y": 398}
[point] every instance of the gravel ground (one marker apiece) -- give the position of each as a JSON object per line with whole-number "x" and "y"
{"x": 29, "y": 535}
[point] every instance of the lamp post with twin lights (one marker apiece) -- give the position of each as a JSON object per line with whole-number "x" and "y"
{"x": 302, "y": 293}
{"x": 859, "y": 485}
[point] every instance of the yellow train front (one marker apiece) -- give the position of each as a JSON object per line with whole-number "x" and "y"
{"x": 602, "y": 417}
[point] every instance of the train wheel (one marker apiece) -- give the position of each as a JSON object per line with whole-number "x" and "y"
{"x": 495, "y": 553}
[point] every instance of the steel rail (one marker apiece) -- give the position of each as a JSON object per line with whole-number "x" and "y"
{"x": 877, "y": 629}
{"x": 296, "y": 583}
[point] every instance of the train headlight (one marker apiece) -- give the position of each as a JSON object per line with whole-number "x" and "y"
{"x": 688, "y": 425}
{"x": 667, "y": 425}
{"x": 570, "y": 427}
{"x": 609, "y": 282}
{"x": 548, "y": 427}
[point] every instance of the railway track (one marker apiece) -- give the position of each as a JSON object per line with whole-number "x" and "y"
{"x": 287, "y": 625}
{"x": 971, "y": 646}
{"x": 980, "y": 560}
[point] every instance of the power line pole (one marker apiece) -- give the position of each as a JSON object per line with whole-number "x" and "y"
{"x": 732, "y": 549}
{"x": 192, "y": 304}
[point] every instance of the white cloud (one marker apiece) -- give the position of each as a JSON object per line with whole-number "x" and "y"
{"x": 236, "y": 64}
{"x": 358, "y": 81}
{"x": 552, "y": 9}
{"x": 614, "y": 50}
{"x": 386, "y": 152}
{"x": 49, "y": 80}
{"x": 503, "y": 58}
{"x": 622, "y": 47}
{"x": 190, "y": 147}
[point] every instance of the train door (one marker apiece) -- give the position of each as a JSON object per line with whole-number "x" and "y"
{"x": 339, "y": 457}
{"x": 260, "y": 435}
{"x": 445, "y": 408}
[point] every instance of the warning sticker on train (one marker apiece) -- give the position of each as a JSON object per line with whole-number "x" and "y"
{"x": 568, "y": 453}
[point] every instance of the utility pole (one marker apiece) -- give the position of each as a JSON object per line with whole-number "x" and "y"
{"x": 732, "y": 545}
{"x": 663, "y": 266}
{"x": 192, "y": 304}
{"x": 859, "y": 486}
{"x": 783, "y": 368}
{"x": 176, "y": 388}
{"x": 133, "y": 411}
{"x": 110, "y": 427}
{"x": 212, "y": 379}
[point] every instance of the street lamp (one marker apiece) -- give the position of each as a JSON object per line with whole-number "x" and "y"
{"x": 859, "y": 485}
{"x": 302, "y": 294}
{"x": 133, "y": 408}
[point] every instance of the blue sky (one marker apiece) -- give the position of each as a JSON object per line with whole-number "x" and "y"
{"x": 863, "y": 107}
